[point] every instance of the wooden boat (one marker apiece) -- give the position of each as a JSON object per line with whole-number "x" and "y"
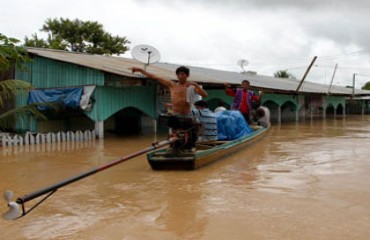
{"x": 207, "y": 152}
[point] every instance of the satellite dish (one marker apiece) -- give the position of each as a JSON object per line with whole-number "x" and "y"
{"x": 242, "y": 63}
{"x": 145, "y": 54}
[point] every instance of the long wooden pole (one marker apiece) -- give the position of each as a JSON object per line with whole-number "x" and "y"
{"x": 51, "y": 189}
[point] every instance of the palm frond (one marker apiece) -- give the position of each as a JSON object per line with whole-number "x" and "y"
{"x": 8, "y": 119}
{"x": 9, "y": 88}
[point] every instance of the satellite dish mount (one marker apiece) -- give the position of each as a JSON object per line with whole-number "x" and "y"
{"x": 145, "y": 54}
{"x": 242, "y": 63}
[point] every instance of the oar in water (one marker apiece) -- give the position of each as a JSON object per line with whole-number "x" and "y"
{"x": 14, "y": 213}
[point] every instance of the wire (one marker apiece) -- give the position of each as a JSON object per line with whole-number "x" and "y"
{"x": 347, "y": 68}
{"x": 362, "y": 75}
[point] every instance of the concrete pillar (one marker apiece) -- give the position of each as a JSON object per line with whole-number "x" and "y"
{"x": 297, "y": 115}
{"x": 324, "y": 113}
{"x": 155, "y": 129}
{"x": 155, "y": 126}
{"x": 99, "y": 129}
{"x": 279, "y": 114}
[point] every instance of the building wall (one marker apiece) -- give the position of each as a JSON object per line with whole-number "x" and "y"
{"x": 109, "y": 100}
{"x": 284, "y": 107}
{"x": 47, "y": 73}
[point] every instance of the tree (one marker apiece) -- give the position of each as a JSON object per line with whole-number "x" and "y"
{"x": 78, "y": 36}
{"x": 11, "y": 56}
{"x": 283, "y": 74}
{"x": 366, "y": 86}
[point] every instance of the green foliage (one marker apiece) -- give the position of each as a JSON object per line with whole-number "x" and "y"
{"x": 10, "y": 88}
{"x": 366, "y": 86}
{"x": 78, "y": 36}
{"x": 35, "y": 41}
{"x": 11, "y": 54}
{"x": 283, "y": 74}
{"x": 8, "y": 118}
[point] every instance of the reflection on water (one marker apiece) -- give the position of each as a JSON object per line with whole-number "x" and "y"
{"x": 52, "y": 147}
{"x": 302, "y": 181}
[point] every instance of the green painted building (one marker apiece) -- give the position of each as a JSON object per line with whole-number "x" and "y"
{"x": 126, "y": 103}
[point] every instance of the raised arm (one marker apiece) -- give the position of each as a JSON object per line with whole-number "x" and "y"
{"x": 198, "y": 89}
{"x": 229, "y": 91}
{"x": 163, "y": 81}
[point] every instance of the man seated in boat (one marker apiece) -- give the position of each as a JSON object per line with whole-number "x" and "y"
{"x": 207, "y": 120}
{"x": 221, "y": 107}
{"x": 262, "y": 116}
{"x": 182, "y": 93}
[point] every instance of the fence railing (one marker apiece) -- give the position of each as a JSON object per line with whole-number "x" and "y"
{"x": 39, "y": 138}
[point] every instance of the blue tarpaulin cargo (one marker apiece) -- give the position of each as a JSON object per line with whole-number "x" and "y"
{"x": 231, "y": 125}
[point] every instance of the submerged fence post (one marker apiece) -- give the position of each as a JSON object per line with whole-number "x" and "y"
{"x": 32, "y": 139}
{"x": 20, "y": 140}
{"x": 79, "y": 136}
{"x": 68, "y": 136}
{"x": 73, "y": 136}
{"x": 38, "y": 138}
{"x": 43, "y": 138}
{"x": 53, "y": 137}
{"x": 58, "y": 137}
{"x": 48, "y": 137}
{"x": 63, "y": 136}
{"x": 3, "y": 140}
{"x": 15, "y": 140}
{"x": 27, "y": 138}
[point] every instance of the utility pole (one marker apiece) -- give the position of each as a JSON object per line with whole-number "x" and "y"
{"x": 332, "y": 78}
{"x": 353, "y": 84}
{"x": 305, "y": 75}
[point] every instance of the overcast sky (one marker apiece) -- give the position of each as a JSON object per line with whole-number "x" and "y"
{"x": 271, "y": 35}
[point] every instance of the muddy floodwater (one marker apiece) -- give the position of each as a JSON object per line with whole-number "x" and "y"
{"x": 309, "y": 180}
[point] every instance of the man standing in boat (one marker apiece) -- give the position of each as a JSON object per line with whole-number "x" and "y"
{"x": 243, "y": 99}
{"x": 182, "y": 94}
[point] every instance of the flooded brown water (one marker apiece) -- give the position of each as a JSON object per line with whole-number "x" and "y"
{"x": 302, "y": 181}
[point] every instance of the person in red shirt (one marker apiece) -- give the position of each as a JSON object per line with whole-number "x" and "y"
{"x": 243, "y": 99}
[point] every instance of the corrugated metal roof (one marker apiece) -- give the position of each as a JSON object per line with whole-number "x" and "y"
{"x": 121, "y": 66}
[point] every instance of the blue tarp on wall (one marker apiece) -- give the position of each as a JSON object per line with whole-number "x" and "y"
{"x": 231, "y": 125}
{"x": 68, "y": 97}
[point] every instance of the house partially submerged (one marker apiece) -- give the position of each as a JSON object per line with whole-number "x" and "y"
{"x": 128, "y": 103}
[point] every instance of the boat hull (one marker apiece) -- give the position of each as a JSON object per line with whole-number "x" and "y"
{"x": 164, "y": 159}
